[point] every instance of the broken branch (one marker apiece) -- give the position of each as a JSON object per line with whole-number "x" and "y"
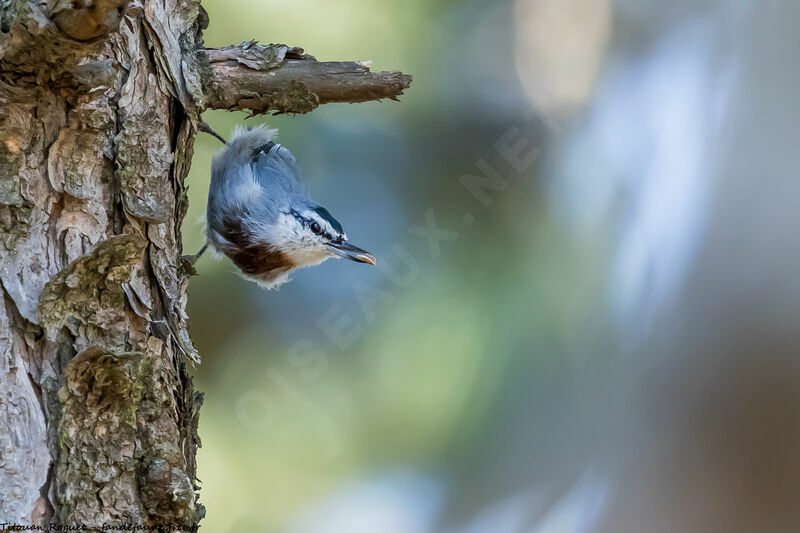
{"x": 279, "y": 78}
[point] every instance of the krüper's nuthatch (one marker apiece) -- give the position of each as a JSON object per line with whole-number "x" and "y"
{"x": 261, "y": 216}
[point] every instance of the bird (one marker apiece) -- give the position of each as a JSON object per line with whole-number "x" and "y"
{"x": 261, "y": 215}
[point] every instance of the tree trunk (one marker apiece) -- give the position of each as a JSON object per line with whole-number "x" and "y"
{"x": 99, "y": 105}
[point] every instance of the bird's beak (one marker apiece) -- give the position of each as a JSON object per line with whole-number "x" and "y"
{"x": 353, "y": 253}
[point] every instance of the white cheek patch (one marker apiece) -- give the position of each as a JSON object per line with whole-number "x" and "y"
{"x": 285, "y": 231}
{"x": 290, "y": 237}
{"x": 307, "y": 258}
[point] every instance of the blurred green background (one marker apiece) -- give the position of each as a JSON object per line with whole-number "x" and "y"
{"x": 285, "y": 423}
{"x": 524, "y": 368}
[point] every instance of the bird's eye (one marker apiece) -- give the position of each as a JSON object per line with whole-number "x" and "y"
{"x": 316, "y": 228}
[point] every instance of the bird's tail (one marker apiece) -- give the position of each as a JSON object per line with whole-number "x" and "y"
{"x": 247, "y": 140}
{"x": 243, "y": 145}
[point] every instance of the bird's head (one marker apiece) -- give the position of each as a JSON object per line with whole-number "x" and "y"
{"x": 261, "y": 216}
{"x": 308, "y": 234}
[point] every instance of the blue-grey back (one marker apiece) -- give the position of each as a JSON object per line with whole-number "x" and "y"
{"x": 252, "y": 178}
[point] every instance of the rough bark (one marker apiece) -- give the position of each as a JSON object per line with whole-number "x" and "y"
{"x": 99, "y": 103}
{"x": 95, "y": 141}
{"x": 283, "y": 79}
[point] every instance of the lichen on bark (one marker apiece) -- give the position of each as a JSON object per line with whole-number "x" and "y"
{"x": 118, "y": 452}
{"x": 88, "y": 296}
{"x": 99, "y": 105}
{"x": 94, "y": 140}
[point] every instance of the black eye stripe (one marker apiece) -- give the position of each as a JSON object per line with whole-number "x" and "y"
{"x": 322, "y": 212}
{"x": 300, "y": 218}
{"x": 308, "y": 222}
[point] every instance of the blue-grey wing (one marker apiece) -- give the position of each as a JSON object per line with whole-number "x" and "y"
{"x": 277, "y": 171}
